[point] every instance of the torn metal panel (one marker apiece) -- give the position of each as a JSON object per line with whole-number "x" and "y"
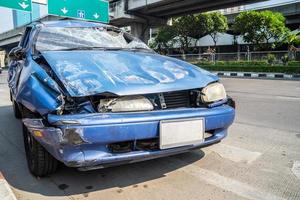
{"x": 37, "y": 90}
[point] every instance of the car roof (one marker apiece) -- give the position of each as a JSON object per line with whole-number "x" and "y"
{"x": 72, "y": 23}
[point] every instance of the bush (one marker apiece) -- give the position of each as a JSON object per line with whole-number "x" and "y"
{"x": 271, "y": 59}
{"x": 294, "y": 63}
{"x": 285, "y": 60}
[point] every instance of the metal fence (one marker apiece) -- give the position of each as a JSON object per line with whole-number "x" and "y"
{"x": 241, "y": 56}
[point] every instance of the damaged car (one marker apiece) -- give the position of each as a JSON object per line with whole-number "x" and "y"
{"x": 91, "y": 96}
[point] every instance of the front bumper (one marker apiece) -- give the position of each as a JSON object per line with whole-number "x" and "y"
{"x": 82, "y": 140}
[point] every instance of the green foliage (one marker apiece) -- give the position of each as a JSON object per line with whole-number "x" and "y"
{"x": 258, "y": 27}
{"x": 293, "y": 39}
{"x": 189, "y": 27}
{"x": 271, "y": 59}
{"x": 197, "y": 26}
{"x": 185, "y": 28}
{"x": 215, "y": 23}
{"x": 294, "y": 64}
{"x": 202, "y": 23}
{"x": 285, "y": 60}
{"x": 164, "y": 39}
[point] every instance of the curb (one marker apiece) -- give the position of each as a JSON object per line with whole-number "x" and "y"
{"x": 5, "y": 191}
{"x": 258, "y": 75}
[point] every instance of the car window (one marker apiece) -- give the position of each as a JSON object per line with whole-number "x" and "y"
{"x": 60, "y": 38}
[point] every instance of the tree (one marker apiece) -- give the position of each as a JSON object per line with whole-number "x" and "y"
{"x": 215, "y": 23}
{"x": 186, "y": 29}
{"x": 190, "y": 27}
{"x": 260, "y": 27}
{"x": 201, "y": 29}
{"x": 164, "y": 39}
{"x": 293, "y": 39}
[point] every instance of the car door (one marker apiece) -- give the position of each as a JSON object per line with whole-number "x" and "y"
{"x": 16, "y": 65}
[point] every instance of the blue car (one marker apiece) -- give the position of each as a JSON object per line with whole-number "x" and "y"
{"x": 91, "y": 96}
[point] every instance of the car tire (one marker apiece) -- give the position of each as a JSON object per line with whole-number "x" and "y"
{"x": 17, "y": 111}
{"x": 40, "y": 162}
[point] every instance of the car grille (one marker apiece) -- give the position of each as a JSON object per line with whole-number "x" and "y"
{"x": 177, "y": 99}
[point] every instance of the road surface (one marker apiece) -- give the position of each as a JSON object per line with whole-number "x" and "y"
{"x": 260, "y": 159}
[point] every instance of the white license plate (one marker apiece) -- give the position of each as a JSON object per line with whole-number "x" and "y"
{"x": 181, "y": 132}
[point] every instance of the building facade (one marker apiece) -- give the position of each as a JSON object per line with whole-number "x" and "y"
{"x": 11, "y": 19}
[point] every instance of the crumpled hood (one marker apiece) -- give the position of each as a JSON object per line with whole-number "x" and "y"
{"x": 124, "y": 72}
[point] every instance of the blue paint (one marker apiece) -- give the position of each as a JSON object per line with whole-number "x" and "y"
{"x": 124, "y": 72}
{"x": 86, "y": 73}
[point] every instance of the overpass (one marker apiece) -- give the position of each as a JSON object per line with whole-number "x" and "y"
{"x": 144, "y": 14}
{"x": 141, "y": 15}
{"x": 290, "y": 9}
{"x": 11, "y": 38}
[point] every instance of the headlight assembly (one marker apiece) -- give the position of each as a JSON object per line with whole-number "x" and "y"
{"x": 213, "y": 92}
{"x": 125, "y": 104}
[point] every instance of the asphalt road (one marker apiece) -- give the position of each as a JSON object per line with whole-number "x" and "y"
{"x": 260, "y": 159}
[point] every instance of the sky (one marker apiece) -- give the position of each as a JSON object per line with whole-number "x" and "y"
{"x": 6, "y": 20}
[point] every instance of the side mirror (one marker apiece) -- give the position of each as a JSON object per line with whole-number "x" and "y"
{"x": 16, "y": 53}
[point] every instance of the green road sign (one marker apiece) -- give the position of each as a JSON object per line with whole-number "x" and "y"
{"x": 24, "y": 5}
{"x": 96, "y": 10}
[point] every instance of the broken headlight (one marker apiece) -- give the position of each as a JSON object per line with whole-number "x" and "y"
{"x": 213, "y": 92}
{"x": 125, "y": 104}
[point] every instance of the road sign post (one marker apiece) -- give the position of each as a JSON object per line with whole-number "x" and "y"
{"x": 95, "y": 10}
{"x": 24, "y": 5}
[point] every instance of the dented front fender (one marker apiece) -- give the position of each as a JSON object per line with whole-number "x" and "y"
{"x": 36, "y": 90}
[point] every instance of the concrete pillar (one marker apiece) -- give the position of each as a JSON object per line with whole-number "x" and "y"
{"x": 141, "y": 31}
{"x": 2, "y": 58}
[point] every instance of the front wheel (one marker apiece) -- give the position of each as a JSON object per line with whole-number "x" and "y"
{"x": 40, "y": 162}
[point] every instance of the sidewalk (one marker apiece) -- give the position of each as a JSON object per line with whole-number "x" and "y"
{"x": 5, "y": 191}
{"x": 3, "y": 77}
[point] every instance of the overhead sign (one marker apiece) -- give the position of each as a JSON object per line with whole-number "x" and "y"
{"x": 96, "y": 10}
{"x": 24, "y": 5}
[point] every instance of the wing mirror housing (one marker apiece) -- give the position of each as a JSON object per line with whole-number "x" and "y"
{"x": 17, "y": 53}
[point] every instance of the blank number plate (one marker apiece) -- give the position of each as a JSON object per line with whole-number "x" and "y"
{"x": 182, "y": 132}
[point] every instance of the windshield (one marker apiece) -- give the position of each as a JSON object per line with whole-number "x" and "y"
{"x": 62, "y": 38}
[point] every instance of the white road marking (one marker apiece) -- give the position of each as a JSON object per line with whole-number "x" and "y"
{"x": 239, "y": 188}
{"x": 296, "y": 169}
{"x": 235, "y": 154}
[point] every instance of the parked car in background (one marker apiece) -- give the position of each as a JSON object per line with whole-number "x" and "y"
{"x": 92, "y": 96}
